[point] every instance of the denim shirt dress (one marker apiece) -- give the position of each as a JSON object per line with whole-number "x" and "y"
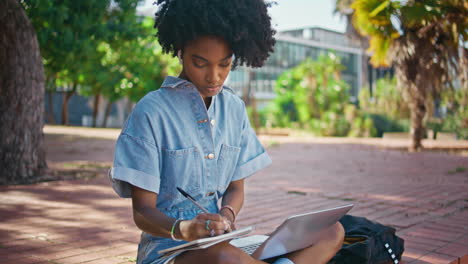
{"x": 172, "y": 140}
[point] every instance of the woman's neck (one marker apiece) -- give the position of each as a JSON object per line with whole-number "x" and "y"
{"x": 206, "y": 100}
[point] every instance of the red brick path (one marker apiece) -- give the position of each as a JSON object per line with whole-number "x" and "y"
{"x": 84, "y": 221}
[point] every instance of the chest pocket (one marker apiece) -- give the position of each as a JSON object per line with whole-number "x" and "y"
{"x": 227, "y": 163}
{"x": 180, "y": 168}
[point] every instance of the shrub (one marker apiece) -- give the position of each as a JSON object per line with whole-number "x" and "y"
{"x": 387, "y": 99}
{"x": 455, "y": 120}
{"x": 312, "y": 96}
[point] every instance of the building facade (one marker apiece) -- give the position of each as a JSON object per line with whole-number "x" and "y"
{"x": 292, "y": 47}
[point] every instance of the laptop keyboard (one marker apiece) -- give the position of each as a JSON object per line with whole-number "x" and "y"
{"x": 250, "y": 248}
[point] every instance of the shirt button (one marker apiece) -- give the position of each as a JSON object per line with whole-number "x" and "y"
{"x": 213, "y": 122}
{"x": 211, "y": 156}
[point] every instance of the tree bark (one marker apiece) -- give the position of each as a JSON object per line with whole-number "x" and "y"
{"x": 22, "y": 157}
{"x": 411, "y": 73}
{"x": 50, "y": 117}
{"x": 246, "y": 90}
{"x": 50, "y": 110}
{"x": 107, "y": 113}
{"x": 418, "y": 111}
{"x": 66, "y": 99}
{"x": 97, "y": 99}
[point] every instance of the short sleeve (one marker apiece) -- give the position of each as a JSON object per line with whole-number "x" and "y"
{"x": 136, "y": 162}
{"x": 253, "y": 156}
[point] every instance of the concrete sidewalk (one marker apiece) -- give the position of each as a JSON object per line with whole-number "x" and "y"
{"x": 424, "y": 195}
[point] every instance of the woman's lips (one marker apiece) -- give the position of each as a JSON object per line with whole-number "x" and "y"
{"x": 213, "y": 88}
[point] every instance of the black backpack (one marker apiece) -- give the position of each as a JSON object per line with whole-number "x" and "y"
{"x": 368, "y": 242}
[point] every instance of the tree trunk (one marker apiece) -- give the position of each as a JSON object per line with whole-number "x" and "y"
{"x": 418, "y": 111}
{"x": 107, "y": 113}
{"x": 248, "y": 96}
{"x": 246, "y": 90}
{"x": 50, "y": 117}
{"x": 97, "y": 99}
{"x": 255, "y": 116}
{"x": 411, "y": 72}
{"x": 22, "y": 157}
{"x": 50, "y": 110}
{"x": 66, "y": 99}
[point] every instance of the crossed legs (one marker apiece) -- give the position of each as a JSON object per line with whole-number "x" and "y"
{"x": 224, "y": 253}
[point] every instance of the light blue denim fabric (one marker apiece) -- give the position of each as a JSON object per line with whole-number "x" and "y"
{"x": 171, "y": 140}
{"x": 150, "y": 245}
{"x": 283, "y": 261}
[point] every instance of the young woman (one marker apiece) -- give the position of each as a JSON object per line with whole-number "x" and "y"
{"x": 194, "y": 133}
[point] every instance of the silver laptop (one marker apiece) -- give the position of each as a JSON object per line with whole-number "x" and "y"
{"x": 296, "y": 232}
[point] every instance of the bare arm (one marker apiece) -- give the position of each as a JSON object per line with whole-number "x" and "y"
{"x": 152, "y": 221}
{"x": 233, "y": 197}
{"x": 146, "y": 216}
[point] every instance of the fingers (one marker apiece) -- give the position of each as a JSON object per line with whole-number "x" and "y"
{"x": 212, "y": 217}
{"x": 233, "y": 227}
{"x": 214, "y": 224}
{"x": 216, "y": 227}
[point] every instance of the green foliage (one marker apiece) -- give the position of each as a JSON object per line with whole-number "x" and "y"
{"x": 387, "y": 99}
{"x": 455, "y": 101}
{"x": 70, "y": 31}
{"x": 135, "y": 67}
{"x": 383, "y": 123}
{"x": 361, "y": 124}
{"x": 373, "y": 18}
{"x": 102, "y": 46}
{"x": 387, "y": 108}
{"x": 312, "y": 96}
{"x": 385, "y": 21}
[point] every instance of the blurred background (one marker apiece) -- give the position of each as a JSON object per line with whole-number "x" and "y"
{"x": 344, "y": 68}
{"x": 96, "y": 84}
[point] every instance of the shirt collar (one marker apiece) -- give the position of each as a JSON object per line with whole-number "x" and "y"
{"x": 173, "y": 82}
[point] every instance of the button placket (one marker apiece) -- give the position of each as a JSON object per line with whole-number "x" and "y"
{"x": 204, "y": 125}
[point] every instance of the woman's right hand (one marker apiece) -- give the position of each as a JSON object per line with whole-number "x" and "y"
{"x": 196, "y": 228}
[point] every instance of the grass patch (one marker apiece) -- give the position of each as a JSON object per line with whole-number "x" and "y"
{"x": 457, "y": 170}
{"x": 273, "y": 144}
{"x": 339, "y": 198}
{"x": 84, "y": 165}
{"x": 297, "y": 192}
{"x": 129, "y": 259}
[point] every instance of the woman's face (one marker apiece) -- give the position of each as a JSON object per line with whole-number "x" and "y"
{"x": 206, "y": 63}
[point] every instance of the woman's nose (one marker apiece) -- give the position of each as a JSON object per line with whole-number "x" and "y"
{"x": 213, "y": 76}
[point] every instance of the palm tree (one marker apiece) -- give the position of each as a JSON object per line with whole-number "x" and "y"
{"x": 423, "y": 40}
{"x": 343, "y": 8}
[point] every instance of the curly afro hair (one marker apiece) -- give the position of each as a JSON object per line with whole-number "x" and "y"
{"x": 244, "y": 24}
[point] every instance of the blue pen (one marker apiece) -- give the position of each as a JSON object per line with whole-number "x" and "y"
{"x": 188, "y": 196}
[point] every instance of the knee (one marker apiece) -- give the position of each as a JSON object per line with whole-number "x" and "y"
{"x": 338, "y": 234}
{"x": 224, "y": 253}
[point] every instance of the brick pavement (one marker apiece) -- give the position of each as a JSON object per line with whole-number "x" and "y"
{"x": 83, "y": 221}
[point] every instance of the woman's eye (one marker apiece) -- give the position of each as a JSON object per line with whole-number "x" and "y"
{"x": 199, "y": 64}
{"x": 225, "y": 64}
